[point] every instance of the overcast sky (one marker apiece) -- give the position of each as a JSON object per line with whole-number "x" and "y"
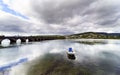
{"x": 59, "y": 16}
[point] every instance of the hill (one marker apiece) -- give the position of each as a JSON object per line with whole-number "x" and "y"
{"x": 94, "y": 35}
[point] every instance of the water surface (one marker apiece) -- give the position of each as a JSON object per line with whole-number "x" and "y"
{"x": 93, "y": 57}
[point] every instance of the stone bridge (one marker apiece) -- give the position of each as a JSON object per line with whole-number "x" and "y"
{"x": 23, "y": 39}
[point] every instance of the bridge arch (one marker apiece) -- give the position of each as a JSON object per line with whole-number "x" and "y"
{"x": 5, "y": 42}
{"x": 27, "y": 40}
{"x": 18, "y": 41}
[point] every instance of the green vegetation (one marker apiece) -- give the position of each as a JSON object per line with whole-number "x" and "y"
{"x": 49, "y": 36}
{"x": 94, "y": 35}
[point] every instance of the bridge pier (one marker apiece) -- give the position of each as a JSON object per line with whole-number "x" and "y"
{"x": 23, "y": 40}
{"x": 31, "y": 40}
{"x": 1, "y": 40}
{"x": 12, "y": 40}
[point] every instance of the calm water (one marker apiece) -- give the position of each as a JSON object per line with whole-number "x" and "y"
{"x": 98, "y": 57}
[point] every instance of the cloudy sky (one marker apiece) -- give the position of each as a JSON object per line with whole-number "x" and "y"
{"x": 59, "y": 16}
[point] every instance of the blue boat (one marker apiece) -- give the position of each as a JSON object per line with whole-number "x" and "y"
{"x": 71, "y": 54}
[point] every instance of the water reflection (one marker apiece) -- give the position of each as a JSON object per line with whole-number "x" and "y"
{"x": 5, "y": 42}
{"x": 27, "y": 40}
{"x": 50, "y": 58}
{"x": 56, "y": 64}
{"x": 18, "y": 41}
{"x": 102, "y": 58}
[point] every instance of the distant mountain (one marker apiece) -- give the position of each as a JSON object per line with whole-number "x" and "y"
{"x": 94, "y": 35}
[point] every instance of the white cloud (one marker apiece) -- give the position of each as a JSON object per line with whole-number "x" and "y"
{"x": 11, "y": 23}
{"x": 63, "y": 16}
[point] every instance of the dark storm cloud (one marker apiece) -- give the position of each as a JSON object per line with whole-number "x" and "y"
{"x": 10, "y": 28}
{"x": 108, "y": 22}
{"x": 108, "y": 18}
{"x": 13, "y": 24}
{"x": 56, "y": 11}
{"x": 106, "y": 12}
{"x": 65, "y": 17}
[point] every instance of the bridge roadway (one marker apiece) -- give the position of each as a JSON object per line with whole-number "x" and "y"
{"x": 13, "y": 39}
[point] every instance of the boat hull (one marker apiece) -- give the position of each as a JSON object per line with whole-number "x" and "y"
{"x": 71, "y": 56}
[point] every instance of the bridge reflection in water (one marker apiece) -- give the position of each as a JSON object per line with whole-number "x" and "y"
{"x": 6, "y": 41}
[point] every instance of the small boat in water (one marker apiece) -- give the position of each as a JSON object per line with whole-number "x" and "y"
{"x": 71, "y": 54}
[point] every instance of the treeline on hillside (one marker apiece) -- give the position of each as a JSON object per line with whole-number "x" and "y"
{"x": 95, "y": 35}
{"x": 49, "y": 36}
